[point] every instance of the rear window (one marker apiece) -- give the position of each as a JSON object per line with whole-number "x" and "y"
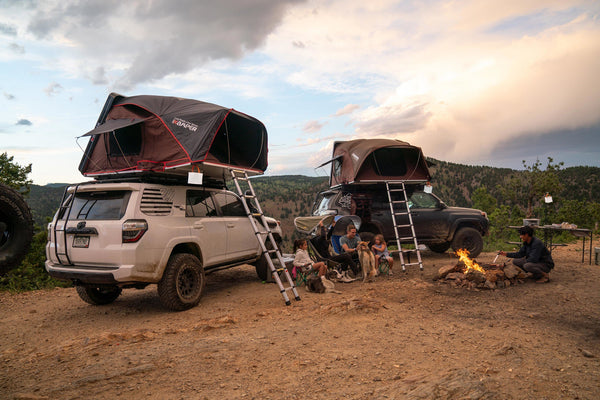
{"x": 109, "y": 205}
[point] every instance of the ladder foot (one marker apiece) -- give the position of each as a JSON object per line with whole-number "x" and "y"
{"x": 287, "y": 303}
{"x": 297, "y": 298}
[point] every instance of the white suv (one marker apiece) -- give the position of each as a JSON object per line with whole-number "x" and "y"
{"x": 107, "y": 236}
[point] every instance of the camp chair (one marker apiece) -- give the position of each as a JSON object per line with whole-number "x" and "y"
{"x": 335, "y": 243}
{"x": 303, "y": 275}
{"x": 384, "y": 266}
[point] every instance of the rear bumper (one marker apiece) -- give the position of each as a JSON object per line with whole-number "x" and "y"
{"x": 97, "y": 278}
{"x": 92, "y": 275}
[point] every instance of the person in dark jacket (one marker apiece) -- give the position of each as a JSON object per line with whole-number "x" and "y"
{"x": 533, "y": 256}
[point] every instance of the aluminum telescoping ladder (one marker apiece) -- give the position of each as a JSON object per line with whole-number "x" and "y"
{"x": 399, "y": 187}
{"x": 264, "y": 235}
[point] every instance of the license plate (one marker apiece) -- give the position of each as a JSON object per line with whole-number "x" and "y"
{"x": 81, "y": 241}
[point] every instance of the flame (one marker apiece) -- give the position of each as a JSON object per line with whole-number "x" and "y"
{"x": 463, "y": 255}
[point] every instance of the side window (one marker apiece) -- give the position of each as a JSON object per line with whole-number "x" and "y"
{"x": 423, "y": 200}
{"x": 199, "y": 203}
{"x": 230, "y": 205}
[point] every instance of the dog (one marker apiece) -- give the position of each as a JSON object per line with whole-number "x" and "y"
{"x": 367, "y": 261}
{"x": 320, "y": 285}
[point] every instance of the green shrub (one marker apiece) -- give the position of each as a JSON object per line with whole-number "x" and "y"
{"x": 31, "y": 274}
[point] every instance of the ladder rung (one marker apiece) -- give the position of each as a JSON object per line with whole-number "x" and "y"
{"x": 396, "y": 190}
{"x": 401, "y": 213}
{"x": 403, "y": 226}
{"x": 256, "y": 214}
{"x": 415, "y": 263}
{"x": 398, "y": 201}
{"x": 249, "y": 196}
{"x": 406, "y": 238}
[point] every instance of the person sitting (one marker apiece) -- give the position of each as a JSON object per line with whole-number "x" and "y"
{"x": 533, "y": 256}
{"x": 350, "y": 241}
{"x": 321, "y": 243}
{"x": 303, "y": 261}
{"x": 381, "y": 252}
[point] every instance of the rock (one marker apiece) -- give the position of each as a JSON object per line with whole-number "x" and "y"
{"x": 511, "y": 271}
{"x": 489, "y": 285}
{"x": 455, "y": 275}
{"x": 475, "y": 276}
{"x": 445, "y": 270}
{"x": 586, "y": 353}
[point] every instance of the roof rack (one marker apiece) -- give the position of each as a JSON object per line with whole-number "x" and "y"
{"x": 158, "y": 177}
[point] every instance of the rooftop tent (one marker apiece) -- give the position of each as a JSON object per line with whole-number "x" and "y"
{"x": 377, "y": 160}
{"x": 173, "y": 135}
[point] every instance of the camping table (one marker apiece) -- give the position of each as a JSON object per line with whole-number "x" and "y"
{"x": 549, "y": 231}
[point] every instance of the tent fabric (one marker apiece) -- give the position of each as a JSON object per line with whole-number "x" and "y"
{"x": 377, "y": 160}
{"x": 169, "y": 132}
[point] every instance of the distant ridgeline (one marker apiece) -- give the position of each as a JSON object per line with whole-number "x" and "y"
{"x": 288, "y": 196}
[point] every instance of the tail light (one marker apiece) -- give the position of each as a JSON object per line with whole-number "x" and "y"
{"x": 133, "y": 230}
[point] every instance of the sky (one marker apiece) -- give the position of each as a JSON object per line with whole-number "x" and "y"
{"x": 472, "y": 82}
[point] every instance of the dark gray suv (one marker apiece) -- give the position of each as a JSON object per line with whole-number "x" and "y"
{"x": 436, "y": 225}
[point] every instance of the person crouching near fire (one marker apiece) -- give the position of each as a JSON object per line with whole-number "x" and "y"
{"x": 533, "y": 256}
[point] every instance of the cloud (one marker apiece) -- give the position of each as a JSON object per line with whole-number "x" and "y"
{"x": 16, "y": 48}
{"x": 24, "y": 122}
{"x": 347, "y": 109}
{"x": 9, "y": 96}
{"x": 313, "y": 126}
{"x": 53, "y": 88}
{"x": 8, "y": 30}
{"x": 148, "y": 41}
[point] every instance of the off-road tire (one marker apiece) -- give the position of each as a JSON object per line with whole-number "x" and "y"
{"x": 439, "y": 247}
{"x": 98, "y": 296}
{"x": 182, "y": 282}
{"x": 470, "y": 239}
{"x": 16, "y": 228}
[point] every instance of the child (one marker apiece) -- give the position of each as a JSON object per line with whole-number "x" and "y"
{"x": 303, "y": 261}
{"x": 380, "y": 250}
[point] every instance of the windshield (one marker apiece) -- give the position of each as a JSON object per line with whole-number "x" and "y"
{"x": 322, "y": 203}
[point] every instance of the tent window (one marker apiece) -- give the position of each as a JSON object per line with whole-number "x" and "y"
{"x": 337, "y": 167}
{"x": 125, "y": 141}
{"x": 388, "y": 162}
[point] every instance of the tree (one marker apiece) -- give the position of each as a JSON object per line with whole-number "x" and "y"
{"x": 538, "y": 182}
{"x": 14, "y": 175}
{"x": 484, "y": 201}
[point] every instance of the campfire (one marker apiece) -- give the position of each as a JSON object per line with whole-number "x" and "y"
{"x": 468, "y": 273}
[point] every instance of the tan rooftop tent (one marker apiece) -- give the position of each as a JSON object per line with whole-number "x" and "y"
{"x": 376, "y": 160}
{"x": 172, "y": 135}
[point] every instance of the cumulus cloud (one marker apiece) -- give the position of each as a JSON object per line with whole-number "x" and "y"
{"x": 347, "y": 109}
{"x": 16, "y": 48}
{"x": 53, "y": 88}
{"x": 151, "y": 40}
{"x": 313, "y": 126}
{"x": 24, "y": 122}
{"x": 457, "y": 80}
{"x": 8, "y": 30}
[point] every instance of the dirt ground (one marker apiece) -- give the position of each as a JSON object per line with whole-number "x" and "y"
{"x": 400, "y": 337}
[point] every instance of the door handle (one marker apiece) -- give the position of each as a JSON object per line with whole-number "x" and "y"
{"x": 198, "y": 225}
{"x": 231, "y": 225}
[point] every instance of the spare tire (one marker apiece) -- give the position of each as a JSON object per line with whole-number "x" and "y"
{"x": 16, "y": 228}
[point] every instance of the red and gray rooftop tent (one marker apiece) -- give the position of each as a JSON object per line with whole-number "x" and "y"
{"x": 376, "y": 160}
{"x": 172, "y": 135}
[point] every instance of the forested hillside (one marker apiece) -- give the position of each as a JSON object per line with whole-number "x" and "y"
{"x": 286, "y": 197}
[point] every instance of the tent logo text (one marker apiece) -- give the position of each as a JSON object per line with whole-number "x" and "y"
{"x": 185, "y": 124}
